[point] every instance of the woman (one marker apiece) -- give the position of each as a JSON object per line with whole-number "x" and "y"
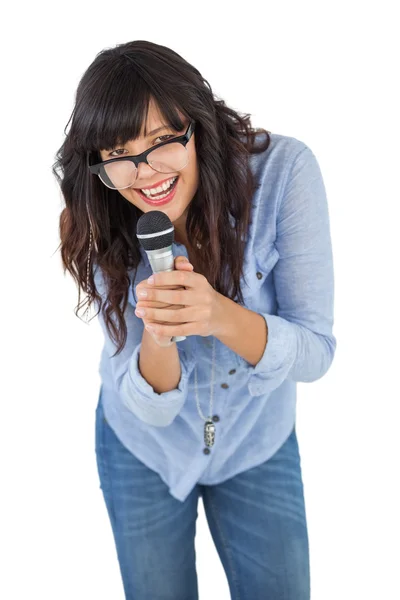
{"x": 255, "y": 302}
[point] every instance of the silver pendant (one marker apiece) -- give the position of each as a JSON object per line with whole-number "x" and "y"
{"x": 209, "y": 433}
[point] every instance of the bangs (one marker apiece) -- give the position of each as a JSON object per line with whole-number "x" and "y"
{"x": 116, "y": 111}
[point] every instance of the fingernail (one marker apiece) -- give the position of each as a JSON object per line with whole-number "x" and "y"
{"x": 150, "y": 280}
{"x": 149, "y": 328}
{"x": 140, "y": 312}
{"x": 142, "y": 294}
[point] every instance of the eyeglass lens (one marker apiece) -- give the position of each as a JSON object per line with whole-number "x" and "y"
{"x": 122, "y": 173}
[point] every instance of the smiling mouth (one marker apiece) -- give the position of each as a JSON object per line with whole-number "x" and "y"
{"x": 156, "y": 185}
{"x": 162, "y": 198}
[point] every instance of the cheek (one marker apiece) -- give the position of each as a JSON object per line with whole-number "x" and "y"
{"x": 193, "y": 172}
{"x": 192, "y": 164}
{"x": 191, "y": 183}
{"x": 132, "y": 197}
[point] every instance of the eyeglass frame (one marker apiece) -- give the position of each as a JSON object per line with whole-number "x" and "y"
{"x": 138, "y": 158}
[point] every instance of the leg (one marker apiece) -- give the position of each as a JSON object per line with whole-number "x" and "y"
{"x": 153, "y": 532}
{"x": 258, "y": 523}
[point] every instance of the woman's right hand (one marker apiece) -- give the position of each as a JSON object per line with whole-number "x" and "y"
{"x": 181, "y": 263}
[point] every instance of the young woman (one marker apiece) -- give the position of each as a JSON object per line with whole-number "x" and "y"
{"x": 214, "y": 414}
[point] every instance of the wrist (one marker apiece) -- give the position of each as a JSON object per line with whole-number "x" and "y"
{"x": 221, "y": 326}
{"x": 242, "y": 330}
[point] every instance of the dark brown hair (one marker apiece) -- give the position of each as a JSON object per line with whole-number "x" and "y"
{"x": 111, "y": 105}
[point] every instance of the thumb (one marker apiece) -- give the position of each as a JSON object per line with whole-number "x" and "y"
{"x": 181, "y": 261}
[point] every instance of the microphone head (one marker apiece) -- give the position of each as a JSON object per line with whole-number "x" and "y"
{"x": 155, "y": 230}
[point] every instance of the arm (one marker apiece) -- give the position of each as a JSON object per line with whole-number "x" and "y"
{"x": 160, "y": 366}
{"x": 242, "y": 330}
{"x": 156, "y": 406}
{"x": 297, "y": 343}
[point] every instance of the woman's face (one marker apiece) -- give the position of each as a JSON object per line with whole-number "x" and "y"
{"x": 187, "y": 183}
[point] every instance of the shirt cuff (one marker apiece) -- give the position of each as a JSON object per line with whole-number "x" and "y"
{"x": 149, "y": 406}
{"x": 277, "y": 359}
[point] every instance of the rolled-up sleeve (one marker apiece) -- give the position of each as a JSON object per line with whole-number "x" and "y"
{"x": 300, "y": 344}
{"x": 158, "y": 409}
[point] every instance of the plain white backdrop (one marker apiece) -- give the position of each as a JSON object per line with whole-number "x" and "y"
{"x": 323, "y": 72}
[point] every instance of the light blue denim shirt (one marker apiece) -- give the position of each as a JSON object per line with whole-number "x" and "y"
{"x": 289, "y": 280}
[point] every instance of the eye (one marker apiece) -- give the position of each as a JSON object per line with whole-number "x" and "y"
{"x": 112, "y": 155}
{"x": 162, "y": 138}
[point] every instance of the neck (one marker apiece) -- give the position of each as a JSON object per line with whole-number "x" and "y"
{"x": 180, "y": 239}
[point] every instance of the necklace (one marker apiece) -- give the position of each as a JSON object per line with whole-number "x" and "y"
{"x": 209, "y": 427}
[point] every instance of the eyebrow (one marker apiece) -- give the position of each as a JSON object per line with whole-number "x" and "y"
{"x": 158, "y": 129}
{"x": 148, "y": 135}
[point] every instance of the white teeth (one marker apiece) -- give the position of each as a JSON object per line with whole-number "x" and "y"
{"x": 161, "y": 188}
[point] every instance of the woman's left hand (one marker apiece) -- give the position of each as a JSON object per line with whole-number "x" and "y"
{"x": 200, "y": 312}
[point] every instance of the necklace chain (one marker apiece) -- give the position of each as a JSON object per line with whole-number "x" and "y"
{"x": 209, "y": 427}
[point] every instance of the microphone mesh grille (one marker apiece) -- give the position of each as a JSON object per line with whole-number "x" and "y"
{"x": 155, "y": 222}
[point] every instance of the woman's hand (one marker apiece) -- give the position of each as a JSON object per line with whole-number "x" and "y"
{"x": 180, "y": 263}
{"x": 195, "y": 309}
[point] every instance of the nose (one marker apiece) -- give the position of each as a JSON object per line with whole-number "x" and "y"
{"x": 144, "y": 174}
{"x": 144, "y": 171}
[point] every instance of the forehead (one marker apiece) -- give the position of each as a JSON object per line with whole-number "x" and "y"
{"x": 153, "y": 121}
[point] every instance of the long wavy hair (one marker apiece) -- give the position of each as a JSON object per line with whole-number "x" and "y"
{"x": 111, "y": 105}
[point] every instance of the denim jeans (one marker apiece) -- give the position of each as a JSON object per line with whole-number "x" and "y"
{"x": 257, "y": 521}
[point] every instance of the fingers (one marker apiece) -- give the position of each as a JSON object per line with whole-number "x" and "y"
{"x": 183, "y": 315}
{"x": 158, "y": 305}
{"x": 181, "y": 263}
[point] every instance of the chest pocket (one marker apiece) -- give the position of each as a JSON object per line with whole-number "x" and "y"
{"x": 259, "y": 293}
{"x": 257, "y": 270}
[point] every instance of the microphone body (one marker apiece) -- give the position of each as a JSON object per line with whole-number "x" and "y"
{"x": 155, "y": 233}
{"x": 163, "y": 260}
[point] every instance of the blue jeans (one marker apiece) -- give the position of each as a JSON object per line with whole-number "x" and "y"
{"x": 257, "y": 521}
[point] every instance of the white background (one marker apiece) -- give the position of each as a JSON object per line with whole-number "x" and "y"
{"x": 323, "y": 72}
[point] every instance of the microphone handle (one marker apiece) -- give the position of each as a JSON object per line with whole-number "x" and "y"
{"x": 163, "y": 260}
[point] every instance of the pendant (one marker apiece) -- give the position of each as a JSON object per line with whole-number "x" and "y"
{"x": 209, "y": 433}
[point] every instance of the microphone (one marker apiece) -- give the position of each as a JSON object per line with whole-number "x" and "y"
{"x": 155, "y": 233}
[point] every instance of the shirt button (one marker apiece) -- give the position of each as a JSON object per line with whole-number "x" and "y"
{"x": 215, "y": 418}
{"x": 224, "y": 386}
{"x": 232, "y": 371}
{"x": 206, "y": 450}
{"x": 259, "y": 275}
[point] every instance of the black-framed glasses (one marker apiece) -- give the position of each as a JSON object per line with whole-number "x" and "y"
{"x": 121, "y": 172}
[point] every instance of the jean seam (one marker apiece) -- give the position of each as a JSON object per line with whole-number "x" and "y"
{"x": 105, "y": 423}
{"x": 215, "y": 511}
